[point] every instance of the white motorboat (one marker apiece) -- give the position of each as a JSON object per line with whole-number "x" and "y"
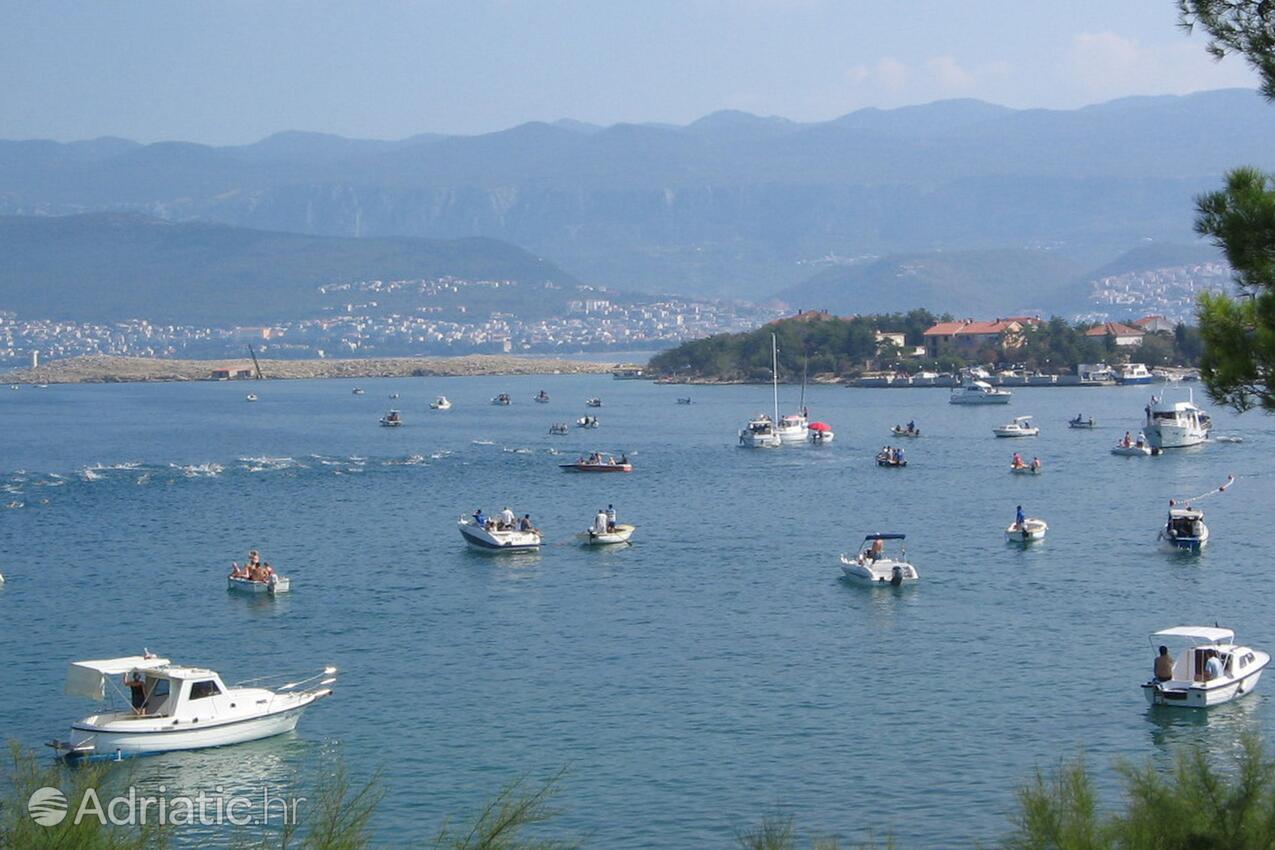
{"x": 502, "y": 400}
{"x": 1021, "y": 427}
{"x": 1134, "y": 373}
{"x": 872, "y": 565}
{"x": 542, "y": 397}
{"x": 489, "y": 538}
{"x": 440, "y": 403}
{"x": 587, "y": 422}
{"x": 1031, "y": 530}
{"x": 593, "y": 402}
{"x": 1209, "y": 668}
{"x": 275, "y": 585}
{"x": 1131, "y": 447}
{"x": 358, "y": 391}
{"x": 792, "y": 428}
{"x": 979, "y": 392}
{"x": 559, "y": 429}
{"x": 1184, "y": 531}
{"x": 179, "y": 708}
{"x": 761, "y": 432}
{"x": 250, "y": 397}
{"x": 820, "y": 433}
{"x": 1175, "y": 424}
{"x": 619, "y": 533}
{"x": 1081, "y": 422}
{"x": 393, "y": 419}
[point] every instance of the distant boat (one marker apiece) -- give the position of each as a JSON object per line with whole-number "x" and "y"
{"x": 872, "y": 565}
{"x": 820, "y": 433}
{"x": 1184, "y": 531}
{"x": 1030, "y": 531}
{"x": 440, "y": 403}
{"x": 358, "y": 391}
{"x": 250, "y": 397}
{"x": 542, "y": 397}
{"x": 979, "y": 392}
{"x": 587, "y": 422}
{"x": 559, "y": 429}
{"x": 686, "y": 400}
{"x": 761, "y": 432}
{"x": 593, "y": 402}
{"x": 393, "y": 396}
{"x": 391, "y": 420}
{"x": 1134, "y": 373}
{"x": 1021, "y": 427}
{"x": 502, "y": 400}
{"x": 1176, "y": 424}
{"x": 1081, "y": 422}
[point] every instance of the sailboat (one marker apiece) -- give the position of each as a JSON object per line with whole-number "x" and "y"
{"x": 761, "y": 433}
{"x": 792, "y": 427}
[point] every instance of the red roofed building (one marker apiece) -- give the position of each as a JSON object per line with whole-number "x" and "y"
{"x": 1123, "y": 335}
{"x": 1155, "y": 325}
{"x": 969, "y": 336}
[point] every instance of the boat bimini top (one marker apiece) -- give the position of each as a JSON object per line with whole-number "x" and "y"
{"x": 884, "y": 537}
{"x": 88, "y": 678}
{"x": 1205, "y": 634}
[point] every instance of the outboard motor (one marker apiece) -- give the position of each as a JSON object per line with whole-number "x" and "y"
{"x": 896, "y": 576}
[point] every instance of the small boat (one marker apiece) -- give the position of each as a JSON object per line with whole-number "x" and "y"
{"x": 1134, "y": 373}
{"x": 593, "y": 402}
{"x": 393, "y": 396}
{"x": 587, "y": 422}
{"x": 1184, "y": 531}
{"x": 502, "y": 400}
{"x": 250, "y": 397}
{"x": 910, "y": 431}
{"x": 892, "y": 458}
{"x": 1031, "y": 530}
{"x": 1207, "y": 669}
{"x": 440, "y": 403}
{"x": 179, "y": 708}
{"x": 1021, "y": 427}
{"x": 559, "y": 429}
{"x": 1130, "y": 447}
{"x": 1081, "y": 422}
{"x": 393, "y": 419}
{"x": 13, "y": 386}
{"x": 275, "y": 585}
{"x": 820, "y": 433}
{"x": 358, "y": 391}
{"x": 873, "y": 567}
{"x": 979, "y": 392}
{"x": 1175, "y": 424}
{"x": 686, "y": 400}
{"x": 598, "y": 463}
{"x": 619, "y": 533}
{"x": 489, "y": 538}
{"x": 542, "y": 397}
{"x": 1026, "y": 468}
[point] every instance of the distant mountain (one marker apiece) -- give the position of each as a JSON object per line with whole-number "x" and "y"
{"x": 112, "y": 266}
{"x": 731, "y": 204}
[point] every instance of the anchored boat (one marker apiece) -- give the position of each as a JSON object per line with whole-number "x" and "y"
{"x": 440, "y": 403}
{"x": 979, "y": 392}
{"x": 1021, "y": 427}
{"x": 179, "y": 708}
{"x": 872, "y": 565}
{"x": 489, "y": 536}
{"x": 1029, "y": 530}
{"x": 393, "y": 419}
{"x": 1184, "y": 531}
{"x": 1175, "y": 424}
{"x": 762, "y": 431}
{"x": 1208, "y": 669}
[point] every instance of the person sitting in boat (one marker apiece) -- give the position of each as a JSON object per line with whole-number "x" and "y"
{"x": 911, "y": 427}
{"x": 1019, "y": 519}
{"x": 1164, "y": 665}
{"x": 508, "y": 520}
{"x": 525, "y": 523}
{"x": 137, "y": 687}
{"x": 600, "y": 522}
{"x": 1035, "y": 464}
{"x": 898, "y": 455}
{"x": 1213, "y": 668}
{"x": 877, "y": 550}
{"x": 624, "y": 459}
{"x": 1017, "y": 462}
{"x": 611, "y": 515}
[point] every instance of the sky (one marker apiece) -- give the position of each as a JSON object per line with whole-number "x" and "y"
{"x": 233, "y": 71}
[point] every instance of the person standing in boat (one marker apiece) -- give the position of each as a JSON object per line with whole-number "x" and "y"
{"x": 508, "y": 519}
{"x": 1035, "y": 464}
{"x": 1019, "y": 519}
{"x": 600, "y": 522}
{"x": 611, "y": 512}
{"x": 138, "y": 689}
{"x": 479, "y": 519}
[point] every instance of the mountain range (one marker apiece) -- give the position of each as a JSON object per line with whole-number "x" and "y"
{"x": 732, "y": 204}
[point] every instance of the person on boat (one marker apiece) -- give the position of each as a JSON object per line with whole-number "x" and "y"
{"x": 600, "y": 522}
{"x": 1213, "y": 668}
{"x": 1017, "y": 462}
{"x": 480, "y": 519}
{"x": 911, "y": 426}
{"x": 1128, "y": 440}
{"x": 507, "y": 519}
{"x": 898, "y": 455}
{"x": 624, "y": 459}
{"x": 1019, "y": 519}
{"x": 611, "y": 514}
{"x": 137, "y": 688}
{"x": 1164, "y": 665}
{"x": 525, "y": 523}
{"x": 1035, "y": 464}
{"x": 877, "y": 551}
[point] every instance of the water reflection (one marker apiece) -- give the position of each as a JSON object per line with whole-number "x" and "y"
{"x": 1219, "y": 728}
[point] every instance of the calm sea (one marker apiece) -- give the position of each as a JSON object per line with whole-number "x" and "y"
{"x": 717, "y": 670}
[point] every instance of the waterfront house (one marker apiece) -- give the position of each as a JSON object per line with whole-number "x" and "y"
{"x": 1124, "y": 336}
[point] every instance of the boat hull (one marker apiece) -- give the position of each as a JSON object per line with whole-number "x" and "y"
{"x": 596, "y": 467}
{"x": 1025, "y": 470}
{"x": 883, "y": 573}
{"x": 243, "y": 585}
{"x": 1132, "y": 451}
{"x": 1198, "y": 696}
{"x": 621, "y": 534}
{"x": 1175, "y": 436}
{"x": 122, "y": 744}
{"x": 499, "y": 541}
{"x": 1031, "y": 532}
{"x": 1183, "y": 545}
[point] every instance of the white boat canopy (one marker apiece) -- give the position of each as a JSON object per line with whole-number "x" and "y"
{"x": 1211, "y": 634}
{"x": 88, "y": 678}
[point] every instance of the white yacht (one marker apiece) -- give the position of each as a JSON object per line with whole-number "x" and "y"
{"x": 1175, "y": 424}
{"x": 979, "y": 392}
{"x": 489, "y": 538}
{"x": 1134, "y": 373}
{"x": 178, "y": 708}
{"x": 761, "y": 431}
{"x": 872, "y": 565}
{"x": 1021, "y": 427}
{"x": 1184, "y": 531}
{"x": 440, "y": 403}
{"x": 1208, "y": 667}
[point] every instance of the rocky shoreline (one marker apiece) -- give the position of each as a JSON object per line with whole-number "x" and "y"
{"x": 105, "y": 370}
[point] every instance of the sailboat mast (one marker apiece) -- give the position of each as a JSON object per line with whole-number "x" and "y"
{"x": 774, "y": 373}
{"x": 805, "y": 366}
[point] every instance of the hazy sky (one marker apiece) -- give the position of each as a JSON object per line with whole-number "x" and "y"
{"x": 227, "y": 71}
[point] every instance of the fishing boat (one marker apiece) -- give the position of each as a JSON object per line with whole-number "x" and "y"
{"x": 1184, "y": 531}
{"x": 1208, "y": 668}
{"x": 979, "y": 392}
{"x": 440, "y": 403}
{"x": 1030, "y": 530}
{"x": 593, "y": 402}
{"x": 761, "y": 431}
{"x": 179, "y": 708}
{"x": 891, "y": 458}
{"x": 1130, "y": 447}
{"x": 250, "y": 397}
{"x": 605, "y": 531}
{"x": 502, "y": 400}
{"x": 393, "y": 419}
{"x": 274, "y": 585}
{"x": 490, "y": 538}
{"x": 1081, "y": 422}
{"x": 587, "y": 422}
{"x": 598, "y": 463}
{"x": 686, "y": 400}
{"x": 1175, "y": 424}
{"x": 1134, "y": 373}
{"x": 820, "y": 433}
{"x": 872, "y": 566}
{"x": 910, "y": 431}
{"x": 559, "y": 429}
{"x": 542, "y": 397}
{"x": 1020, "y": 468}
{"x": 1021, "y": 427}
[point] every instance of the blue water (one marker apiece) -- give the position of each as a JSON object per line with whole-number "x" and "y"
{"x": 717, "y": 670}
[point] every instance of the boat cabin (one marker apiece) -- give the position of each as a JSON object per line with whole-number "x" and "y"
{"x": 1197, "y": 645}
{"x": 169, "y": 691}
{"x": 1185, "y": 522}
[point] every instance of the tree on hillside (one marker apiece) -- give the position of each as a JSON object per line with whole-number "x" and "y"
{"x": 1238, "y": 335}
